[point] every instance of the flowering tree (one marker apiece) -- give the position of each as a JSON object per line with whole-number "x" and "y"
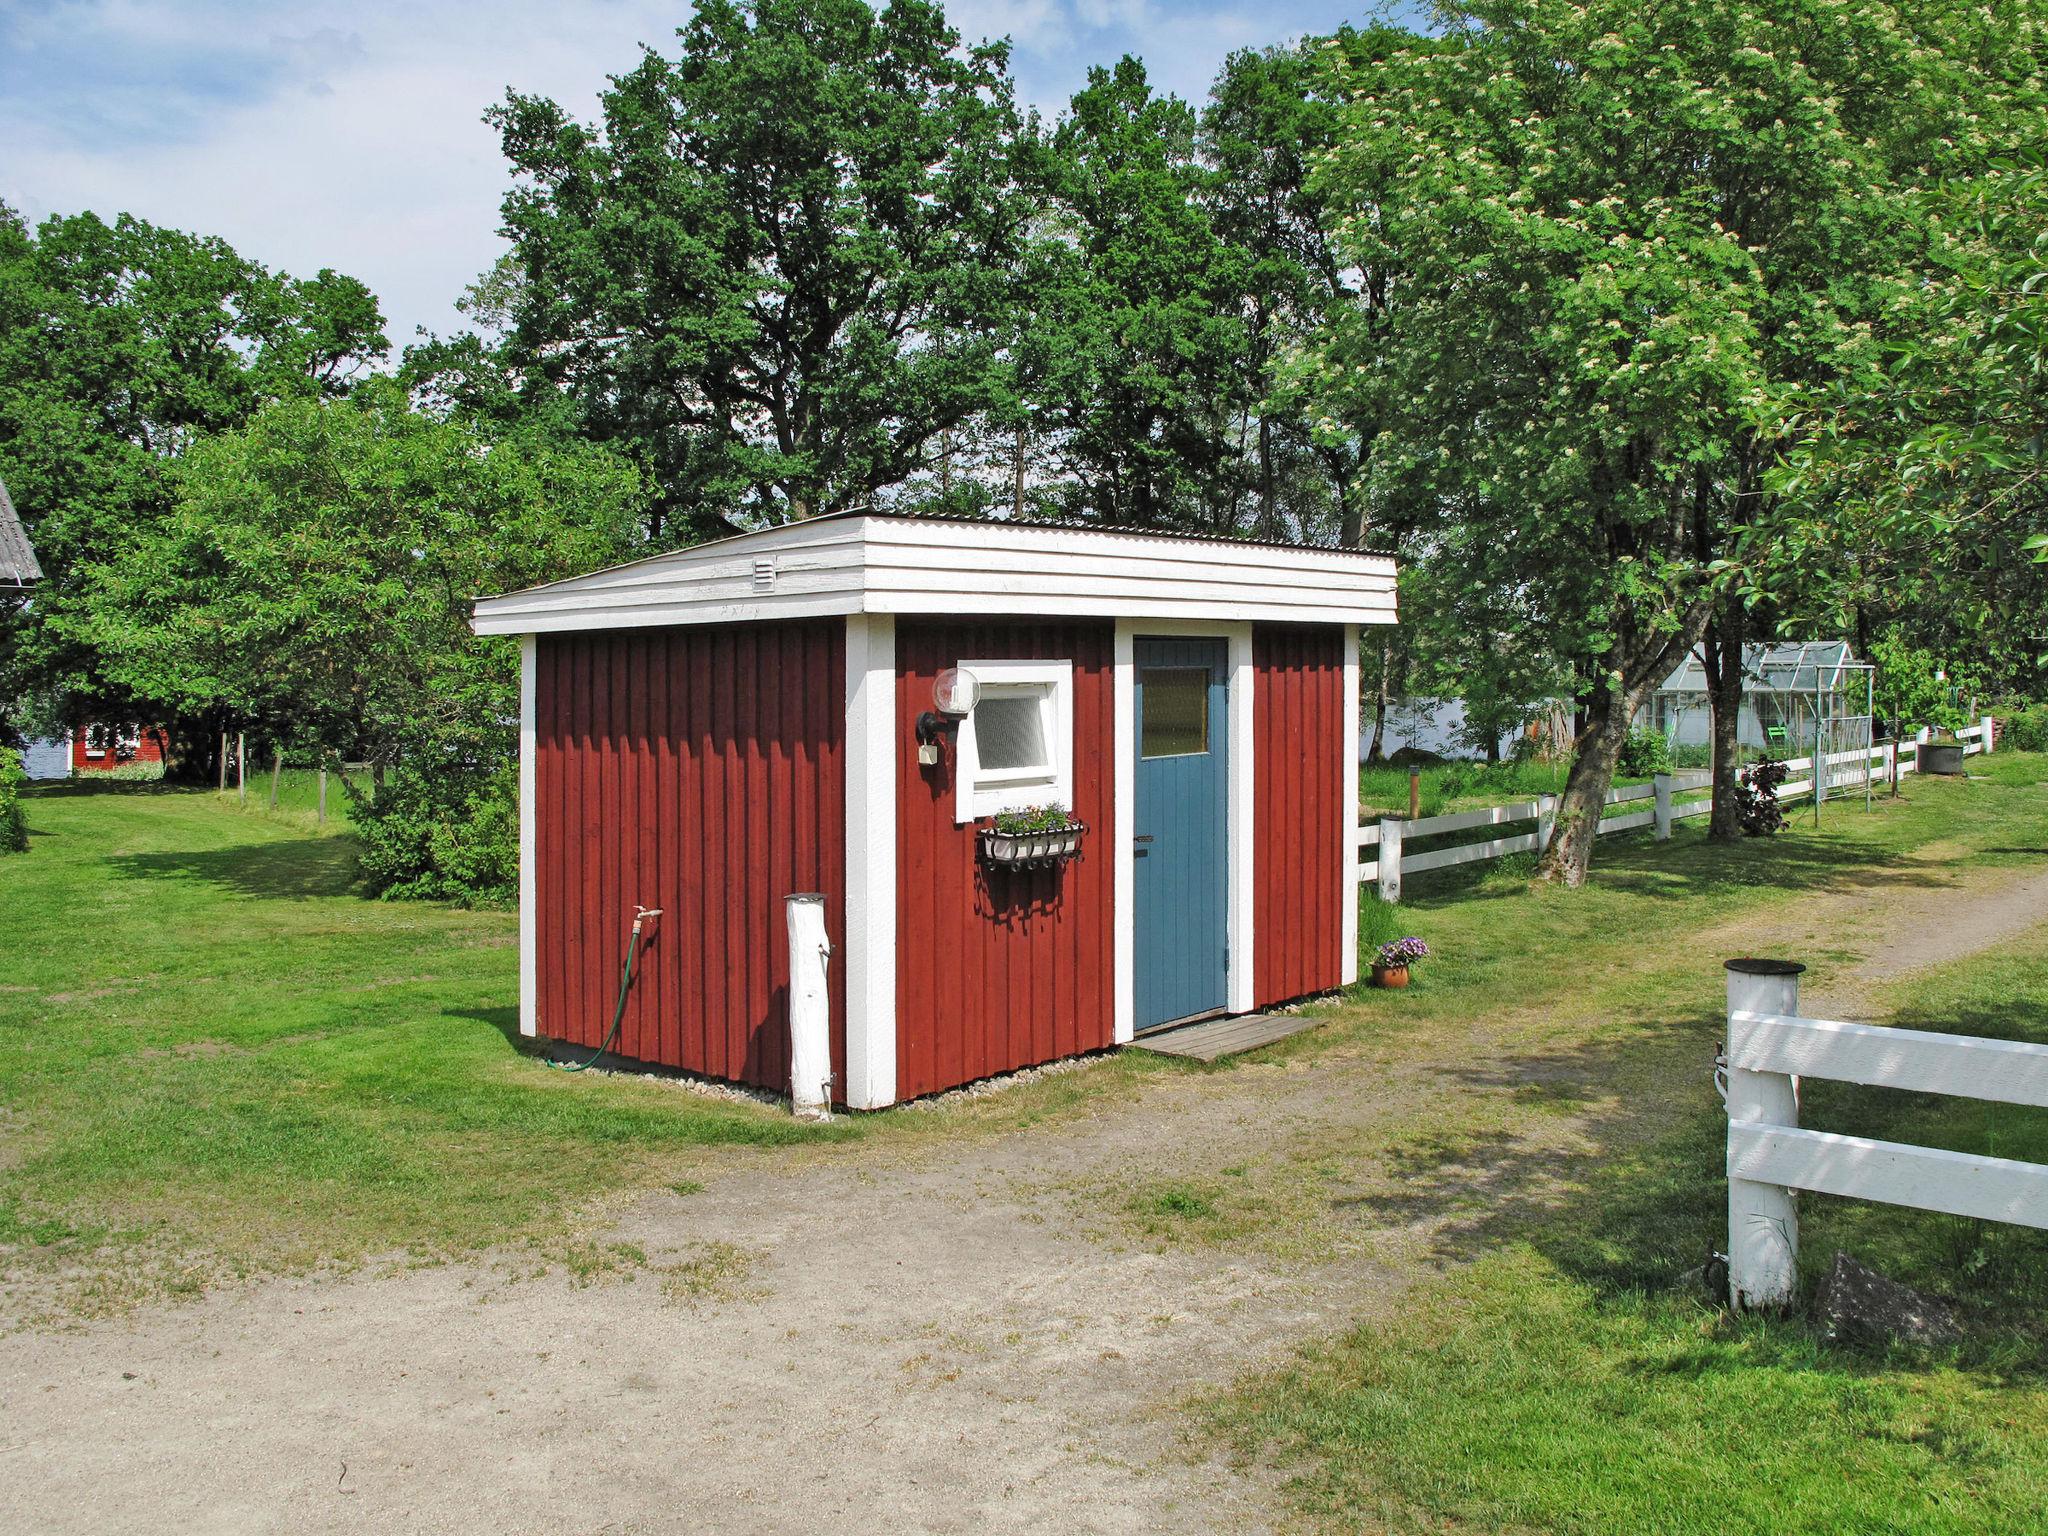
{"x": 1622, "y": 232}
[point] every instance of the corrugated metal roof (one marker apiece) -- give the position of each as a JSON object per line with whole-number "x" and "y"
{"x": 17, "y": 560}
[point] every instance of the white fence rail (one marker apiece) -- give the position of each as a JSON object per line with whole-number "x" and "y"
{"x": 1380, "y": 844}
{"x": 1770, "y": 1048}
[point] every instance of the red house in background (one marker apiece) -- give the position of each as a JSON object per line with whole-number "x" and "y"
{"x": 98, "y": 747}
{"x": 853, "y": 706}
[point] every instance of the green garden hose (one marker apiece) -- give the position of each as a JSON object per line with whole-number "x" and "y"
{"x": 640, "y": 916}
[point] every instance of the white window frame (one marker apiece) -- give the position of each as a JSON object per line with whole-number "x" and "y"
{"x": 977, "y": 794}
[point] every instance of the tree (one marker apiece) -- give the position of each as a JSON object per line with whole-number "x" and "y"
{"x": 120, "y": 346}
{"x": 1265, "y": 123}
{"x": 783, "y": 267}
{"x": 1620, "y": 231}
{"x": 1934, "y": 470}
{"x": 315, "y": 574}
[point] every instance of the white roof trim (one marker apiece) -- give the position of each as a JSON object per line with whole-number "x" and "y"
{"x": 904, "y": 565}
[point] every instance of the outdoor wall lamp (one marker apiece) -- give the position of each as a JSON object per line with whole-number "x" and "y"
{"x": 954, "y": 692}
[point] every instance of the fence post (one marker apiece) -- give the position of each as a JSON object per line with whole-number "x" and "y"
{"x": 1390, "y": 858}
{"x": 1763, "y": 1219}
{"x": 1891, "y": 762}
{"x": 1546, "y": 822}
{"x": 1990, "y": 729}
{"x": 276, "y": 771}
{"x": 242, "y": 766}
{"x": 323, "y": 795}
{"x": 1662, "y": 782}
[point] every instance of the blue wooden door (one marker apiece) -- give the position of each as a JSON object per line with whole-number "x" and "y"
{"x": 1181, "y": 829}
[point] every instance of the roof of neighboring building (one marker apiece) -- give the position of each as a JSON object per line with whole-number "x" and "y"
{"x": 17, "y": 561}
{"x": 897, "y": 563}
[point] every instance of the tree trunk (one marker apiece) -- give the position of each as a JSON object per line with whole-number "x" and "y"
{"x": 1379, "y": 704}
{"x": 1722, "y": 653}
{"x": 1600, "y": 740}
{"x": 1269, "y": 521}
{"x": 1017, "y": 482}
{"x": 1619, "y": 690}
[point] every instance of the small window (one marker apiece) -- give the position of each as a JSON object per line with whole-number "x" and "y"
{"x": 1017, "y": 748}
{"x": 1176, "y": 711}
{"x": 1010, "y": 732}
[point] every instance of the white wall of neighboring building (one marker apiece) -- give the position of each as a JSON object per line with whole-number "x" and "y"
{"x": 47, "y": 760}
{"x": 1429, "y": 725}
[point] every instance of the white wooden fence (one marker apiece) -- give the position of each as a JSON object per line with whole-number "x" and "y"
{"x": 1769, "y": 1157}
{"x": 1381, "y": 859}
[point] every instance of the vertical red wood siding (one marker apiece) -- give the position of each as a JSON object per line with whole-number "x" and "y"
{"x": 698, "y": 770}
{"x": 1005, "y": 971}
{"x": 1299, "y": 744}
{"x": 149, "y": 748}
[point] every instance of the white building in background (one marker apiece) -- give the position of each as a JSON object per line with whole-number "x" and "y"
{"x": 1429, "y": 725}
{"x": 47, "y": 760}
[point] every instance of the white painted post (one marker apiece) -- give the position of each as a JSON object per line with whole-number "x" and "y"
{"x": 241, "y": 766}
{"x": 1763, "y": 1219}
{"x": 1990, "y": 729}
{"x": 1546, "y": 822}
{"x": 1662, "y": 783}
{"x": 810, "y": 1010}
{"x": 1390, "y": 858}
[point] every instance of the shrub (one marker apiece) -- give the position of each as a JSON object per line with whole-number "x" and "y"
{"x": 1756, "y": 797}
{"x": 441, "y": 832}
{"x": 1644, "y": 753}
{"x": 2025, "y": 730}
{"x": 13, "y": 818}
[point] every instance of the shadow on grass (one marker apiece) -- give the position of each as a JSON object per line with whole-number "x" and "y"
{"x": 300, "y": 869}
{"x": 1691, "y": 869}
{"x": 1644, "y": 1199}
{"x": 76, "y": 789}
{"x": 504, "y": 1020}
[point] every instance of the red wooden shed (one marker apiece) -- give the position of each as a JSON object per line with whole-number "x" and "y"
{"x": 713, "y": 730}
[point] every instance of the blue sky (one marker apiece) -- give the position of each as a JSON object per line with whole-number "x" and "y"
{"x": 350, "y": 135}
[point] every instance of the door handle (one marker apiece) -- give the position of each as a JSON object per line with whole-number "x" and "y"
{"x": 1146, "y": 838}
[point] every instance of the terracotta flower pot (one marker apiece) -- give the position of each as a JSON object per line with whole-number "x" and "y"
{"x": 1390, "y": 975}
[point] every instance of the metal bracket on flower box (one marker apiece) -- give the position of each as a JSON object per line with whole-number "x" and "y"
{"x": 1031, "y": 850}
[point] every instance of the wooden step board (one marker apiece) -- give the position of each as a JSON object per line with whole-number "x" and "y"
{"x": 1213, "y": 1039}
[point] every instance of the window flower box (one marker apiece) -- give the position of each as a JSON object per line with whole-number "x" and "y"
{"x": 1040, "y": 848}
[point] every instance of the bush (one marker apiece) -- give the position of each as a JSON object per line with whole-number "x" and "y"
{"x": 13, "y": 818}
{"x": 1756, "y": 797}
{"x": 441, "y": 831}
{"x": 2025, "y": 730}
{"x": 1643, "y": 754}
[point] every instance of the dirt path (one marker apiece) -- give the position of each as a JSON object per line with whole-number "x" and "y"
{"x": 968, "y": 1338}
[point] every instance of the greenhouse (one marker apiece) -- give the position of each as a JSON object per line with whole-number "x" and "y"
{"x": 1798, "y": 697}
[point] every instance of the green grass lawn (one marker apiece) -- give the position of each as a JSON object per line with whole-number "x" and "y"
{"x": 298, "y": 796}
{"x": 213, "y": 1054}
{"x": 1563, "y": 1378}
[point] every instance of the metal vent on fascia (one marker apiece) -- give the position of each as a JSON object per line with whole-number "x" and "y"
{"x": 764, "y": 574}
